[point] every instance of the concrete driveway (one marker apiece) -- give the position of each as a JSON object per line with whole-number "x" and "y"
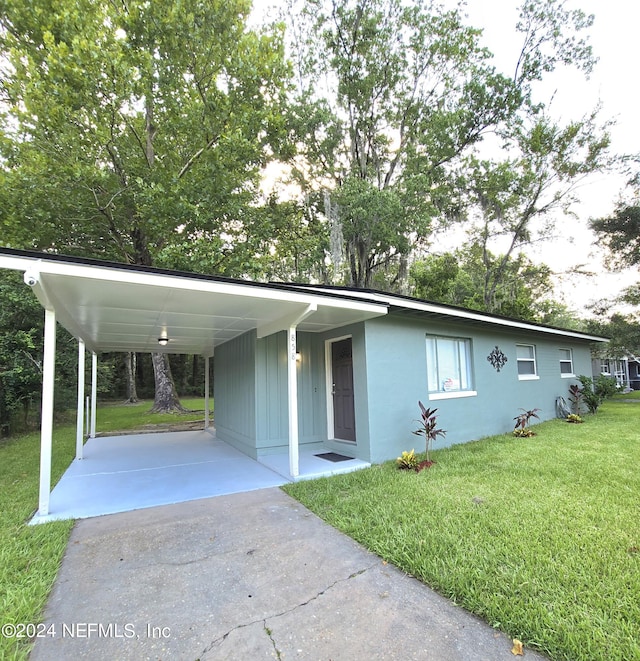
{"x": 246, "y": 576}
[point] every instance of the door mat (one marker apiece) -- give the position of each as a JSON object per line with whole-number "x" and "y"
{"x": 333, "y": 456}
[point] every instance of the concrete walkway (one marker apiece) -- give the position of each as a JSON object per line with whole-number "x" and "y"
{"x": 247, "y": 576}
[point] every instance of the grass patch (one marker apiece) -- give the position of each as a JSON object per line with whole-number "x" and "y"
{"x": 112, "y": 416}
{"x": 31, "y": 555}
{"x": 538, "y": 536}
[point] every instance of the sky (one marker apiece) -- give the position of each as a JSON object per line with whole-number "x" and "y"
{"x": 613, "y": 83}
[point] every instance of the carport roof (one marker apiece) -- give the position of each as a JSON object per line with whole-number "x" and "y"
{"x": 120, "y": 307}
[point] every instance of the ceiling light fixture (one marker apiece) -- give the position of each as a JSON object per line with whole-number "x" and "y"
{"x": 163, "y": 341}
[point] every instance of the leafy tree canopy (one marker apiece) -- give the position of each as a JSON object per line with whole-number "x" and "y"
{"x": 620, "y": 234}
{"x": 131, "y": 128}
{"x": 390, "y": 99}
{"x": 463, "y": 278}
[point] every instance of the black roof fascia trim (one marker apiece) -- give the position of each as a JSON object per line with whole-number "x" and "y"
{"x": 334, "y": 291}
{"x": 486, "y": 316}
{"x": 191, "y": 275}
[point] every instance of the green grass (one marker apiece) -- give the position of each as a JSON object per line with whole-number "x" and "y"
{"x": 30, "y": 555}
{"x": 115, "y": 416}
{"x": 539, "y": 536}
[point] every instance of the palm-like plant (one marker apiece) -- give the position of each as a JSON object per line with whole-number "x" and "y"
{"x": 428, "y": 427}
{"x": 522, "y": 422}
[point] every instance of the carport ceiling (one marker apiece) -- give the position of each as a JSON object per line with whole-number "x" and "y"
{"x": 121, "y": 308}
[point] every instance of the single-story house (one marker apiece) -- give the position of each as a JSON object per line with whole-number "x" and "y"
{"x": 305, "y": 366}
{"x": 625, "y": 370}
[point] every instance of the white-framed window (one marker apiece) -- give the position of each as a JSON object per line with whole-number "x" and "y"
{"x": 449, "y": 371}
{"x": 566, "y": 362}
{"x": 605, "y": 367}
{"x": 526, "y": 357}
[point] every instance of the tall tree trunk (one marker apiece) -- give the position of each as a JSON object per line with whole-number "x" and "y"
{"x": 166, "y": 399}
{"x": 130, "y": 364}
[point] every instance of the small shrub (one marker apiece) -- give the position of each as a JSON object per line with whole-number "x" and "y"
{"x": 408, "y": 460}
{"x": 523, "y": 433}
{"x": 574, "y": 417}
{"x": 522, "y": 422}
{"x": 594, "y": 393}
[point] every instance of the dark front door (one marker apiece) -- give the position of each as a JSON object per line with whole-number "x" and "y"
{"x": 344, "y": 419}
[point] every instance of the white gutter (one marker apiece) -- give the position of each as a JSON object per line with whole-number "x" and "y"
{"x": 187, "y": 282}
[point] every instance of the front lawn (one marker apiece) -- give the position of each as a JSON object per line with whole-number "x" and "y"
{"x": 539, "y": 536}
{"x": 30, "y": 555}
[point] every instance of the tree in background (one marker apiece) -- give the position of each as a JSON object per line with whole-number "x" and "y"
{"x": 21, "y": 347}
{"x": 388, "y": 95}
{"x": 514, "y": 203}
{"x": 393, "y": 99}
{"x": 525, "y": 289}
{"x": 623, "y": 331}
{"x": 620, "y": 235}
{"x": 132, "y": 130}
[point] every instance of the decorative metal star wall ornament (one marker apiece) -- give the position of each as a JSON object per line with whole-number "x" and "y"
{"x": 497, "y": 359}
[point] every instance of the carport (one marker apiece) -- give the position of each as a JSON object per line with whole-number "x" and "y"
{"x": 126, "y": 473}
{"x": 111, "y": 307}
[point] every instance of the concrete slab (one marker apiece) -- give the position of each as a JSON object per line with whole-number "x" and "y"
{"x": 124, "y": 473}
{"x": 247, "y": 576}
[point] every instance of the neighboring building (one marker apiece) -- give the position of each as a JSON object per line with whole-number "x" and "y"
{"x": 626, "y": 370}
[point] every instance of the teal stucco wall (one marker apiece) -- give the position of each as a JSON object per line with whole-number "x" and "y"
{"x": 251, "y": 393}
{"x": 397, "y": 379}
{"x": 390, "y": 376}
{"x": 235, "y": 393}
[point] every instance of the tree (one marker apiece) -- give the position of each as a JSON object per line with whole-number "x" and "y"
{"x": 389, "y": 94}
{"x": 620, "y": 234}
{"x": 21, "y": 346}
{"x": 514, "y": 203}
{"x": 623, "y": 331}
{"x": 391, "y": 98}
{"x": 461, "y": 279}
{"x": 132, "y": 129}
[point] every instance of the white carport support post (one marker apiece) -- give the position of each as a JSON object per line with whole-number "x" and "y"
{"x": 80, "y": 414}
{"x": 206, "y": 392}
{"x": 292, "y": 380}
{"x": 94, "y": 393}
{"x": 46, "y": 427}
{"x": 292, "y": 383}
